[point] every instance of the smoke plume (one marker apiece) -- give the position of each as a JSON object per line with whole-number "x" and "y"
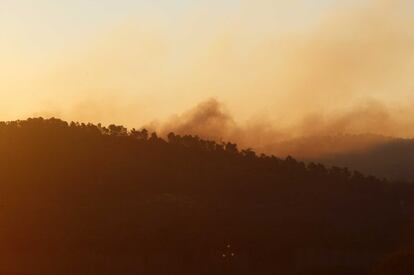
{"x": 276, "y": 72}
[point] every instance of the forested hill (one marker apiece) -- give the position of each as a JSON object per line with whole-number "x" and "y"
{"x": 86, "y": 199}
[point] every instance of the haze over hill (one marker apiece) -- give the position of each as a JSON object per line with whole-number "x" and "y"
{"x": 348, "y": 132}
{"x": 351, "y": 140}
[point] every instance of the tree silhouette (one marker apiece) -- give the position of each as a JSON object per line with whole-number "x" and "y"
{"x": 81, "y": 198}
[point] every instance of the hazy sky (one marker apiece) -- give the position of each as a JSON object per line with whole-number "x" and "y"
{"x": 134, "y": 61}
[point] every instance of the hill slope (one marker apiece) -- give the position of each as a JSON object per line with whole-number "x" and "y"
{"x": 381, "y": 156}
{"x": 85, "y": 199}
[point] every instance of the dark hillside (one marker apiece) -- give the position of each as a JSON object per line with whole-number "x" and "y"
{"x": 381, "y": 156}
{"x": 85, "y": 199}
{"x": 393, "y": 160}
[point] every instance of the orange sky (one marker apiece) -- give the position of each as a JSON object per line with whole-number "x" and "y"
{"x": 305, "y": 67}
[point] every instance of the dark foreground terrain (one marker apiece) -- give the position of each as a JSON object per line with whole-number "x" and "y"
{"x": 85, "y": 199}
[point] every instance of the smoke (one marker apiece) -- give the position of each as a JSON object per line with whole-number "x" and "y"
{"x": 370, "y": 117}
{"x": 276, "y": 72}
{"x": 357, "y": 129}
{"x": 342, "y": 86}
{"x": 355, "y": 54}
{"x": 208, "y": 119}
